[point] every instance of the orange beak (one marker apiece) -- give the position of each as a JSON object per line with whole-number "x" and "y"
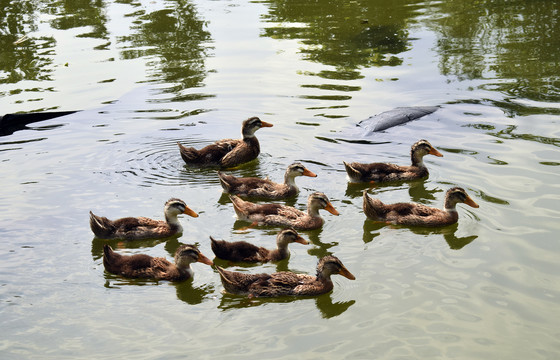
{"x": 433, "y": 151}
{"x": 265, "y": 124}
{"x": 471, "y": 202}
{"x": 347, "y": 274}
{"x": 302, "y": 241}
{"x": 190, "y": 212}
{"x": 309, "y": 173}
{"x": 331, "y": 209}
{"x": 203, "y": 259}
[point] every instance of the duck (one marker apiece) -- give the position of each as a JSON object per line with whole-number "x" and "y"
{"x": 157, "y": 268}
{"x": 246, "y": 252}
{"x": 386, "y": 172}
{"x": 418, "y": 214}
{"x": 264, "y": 188}
{"x": 228, "y": 153}
{"x": 285, "y": 283}
{"x": 283, "y": 215}
{"x": 138, "y": 228}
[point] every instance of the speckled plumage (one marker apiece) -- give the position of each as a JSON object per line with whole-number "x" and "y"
{"x": 264, "y": 188}
{"x": 285, "y": 283}
{"x": 246, "y": 252}
{"x": 145, "y": 266}
{"x": 282, "y": 215}
{"x": 386, "y": 172}
{"x": 136, "y": 228}
{"x": 228, "y": 152}
{"x": 417, "y": 214}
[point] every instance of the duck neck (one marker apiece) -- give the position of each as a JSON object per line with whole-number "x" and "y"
{"x": 324, "y": 277}
{"x": 417, "y": 159}
{"x": 312, "y": 211}
{"x": 173, "y": 221}
{"x": 184, "y": 267}
{"x": 290, "y": 180}
{"x": 282, "y": 249}
{"x": 450, "y": 204}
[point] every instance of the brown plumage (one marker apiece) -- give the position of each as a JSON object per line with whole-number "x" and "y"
{"x": 285, "y": 283}
{"x": 136, "y": 228}
{"x": 385, "y": 172}
{"x": 282, "y": 215}
{"x": 246, "y": 252}
{"x": 228, "y": 152}
{"x": 418, "y": 214}
{"x": 145, "y": 266}
{"x": 264, "y": 188}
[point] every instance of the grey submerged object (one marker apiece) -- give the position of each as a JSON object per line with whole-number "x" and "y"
{"x": 394, "y": 117}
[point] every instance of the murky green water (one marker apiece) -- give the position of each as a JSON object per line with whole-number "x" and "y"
{"x": 150, "y": 73}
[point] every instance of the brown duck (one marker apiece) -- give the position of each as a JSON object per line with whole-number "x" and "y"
{"x": 145, "y": 266}
{"x": 385, "y": 172}
{"x": 285, "y": 283}
{"x": 228, "y": 152}
{"x": 246, "y": 252}
{"x": 136, "y": 228}
{"x": 418, "y": 214}
{"x": 283, "y": 215}
{"x": 264, "y": 188}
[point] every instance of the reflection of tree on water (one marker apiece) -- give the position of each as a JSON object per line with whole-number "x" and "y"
{"x": 26, "y": 59}
{"x": 176, "y": 36}
{"x": 346, "y": 35}
{"x": 490, "y": 39}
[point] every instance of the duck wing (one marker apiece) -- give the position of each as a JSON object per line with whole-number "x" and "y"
{"x": 238, "y": 251}
{"x": 244, "y": 151}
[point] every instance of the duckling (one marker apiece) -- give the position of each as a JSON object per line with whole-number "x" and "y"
{"x": 418, "y": 214}
{"x": 285, "y": 283}
{"x": 282, "y": 215}
{"x": 137, "y": 228}
{"x": 228, "y": 152}
{"x": 246, "y": 252}
{"x": 145, "y": 266}
{"x": 264, "y": 188}
{"x": 385, "y": 172}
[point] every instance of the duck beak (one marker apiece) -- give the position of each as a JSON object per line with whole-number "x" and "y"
{"x": 309, "y": 173}
{"x": 203, "y": 259}
{"x": 347, "y": 274}
{"x": 331, "y": 209}
{"x": 471, "y": 202}
{"x": 190, "y": 212}
{"x": 433, "y": 151}
{"x": 265, "y": 124}
{"x": 302, "y": 241}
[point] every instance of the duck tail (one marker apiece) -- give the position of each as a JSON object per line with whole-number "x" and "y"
{"x": 372, "y": 207}
{"x": 101, "y": 226}
{"x": 109, "y": 257}
{"x": 240, "y": 206}
{"x": 218, "y": 247}
{"x": 189, "y": 154}
{"x": 225, "y": 181}
{"x": 353, "y": 174}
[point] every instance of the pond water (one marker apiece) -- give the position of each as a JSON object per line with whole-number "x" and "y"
{"x": 150, "y": 73}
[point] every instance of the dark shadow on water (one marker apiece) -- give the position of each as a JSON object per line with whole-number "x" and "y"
{"x": 324, "y": 303}
{"x": 97, "y": 245}
{"x": 193, "y": 295}
{"x": 371, "y": 231}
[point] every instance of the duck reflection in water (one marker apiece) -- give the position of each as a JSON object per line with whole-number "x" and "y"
{"x": 324, "y": 303}
{"x": 371, "y": 231}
